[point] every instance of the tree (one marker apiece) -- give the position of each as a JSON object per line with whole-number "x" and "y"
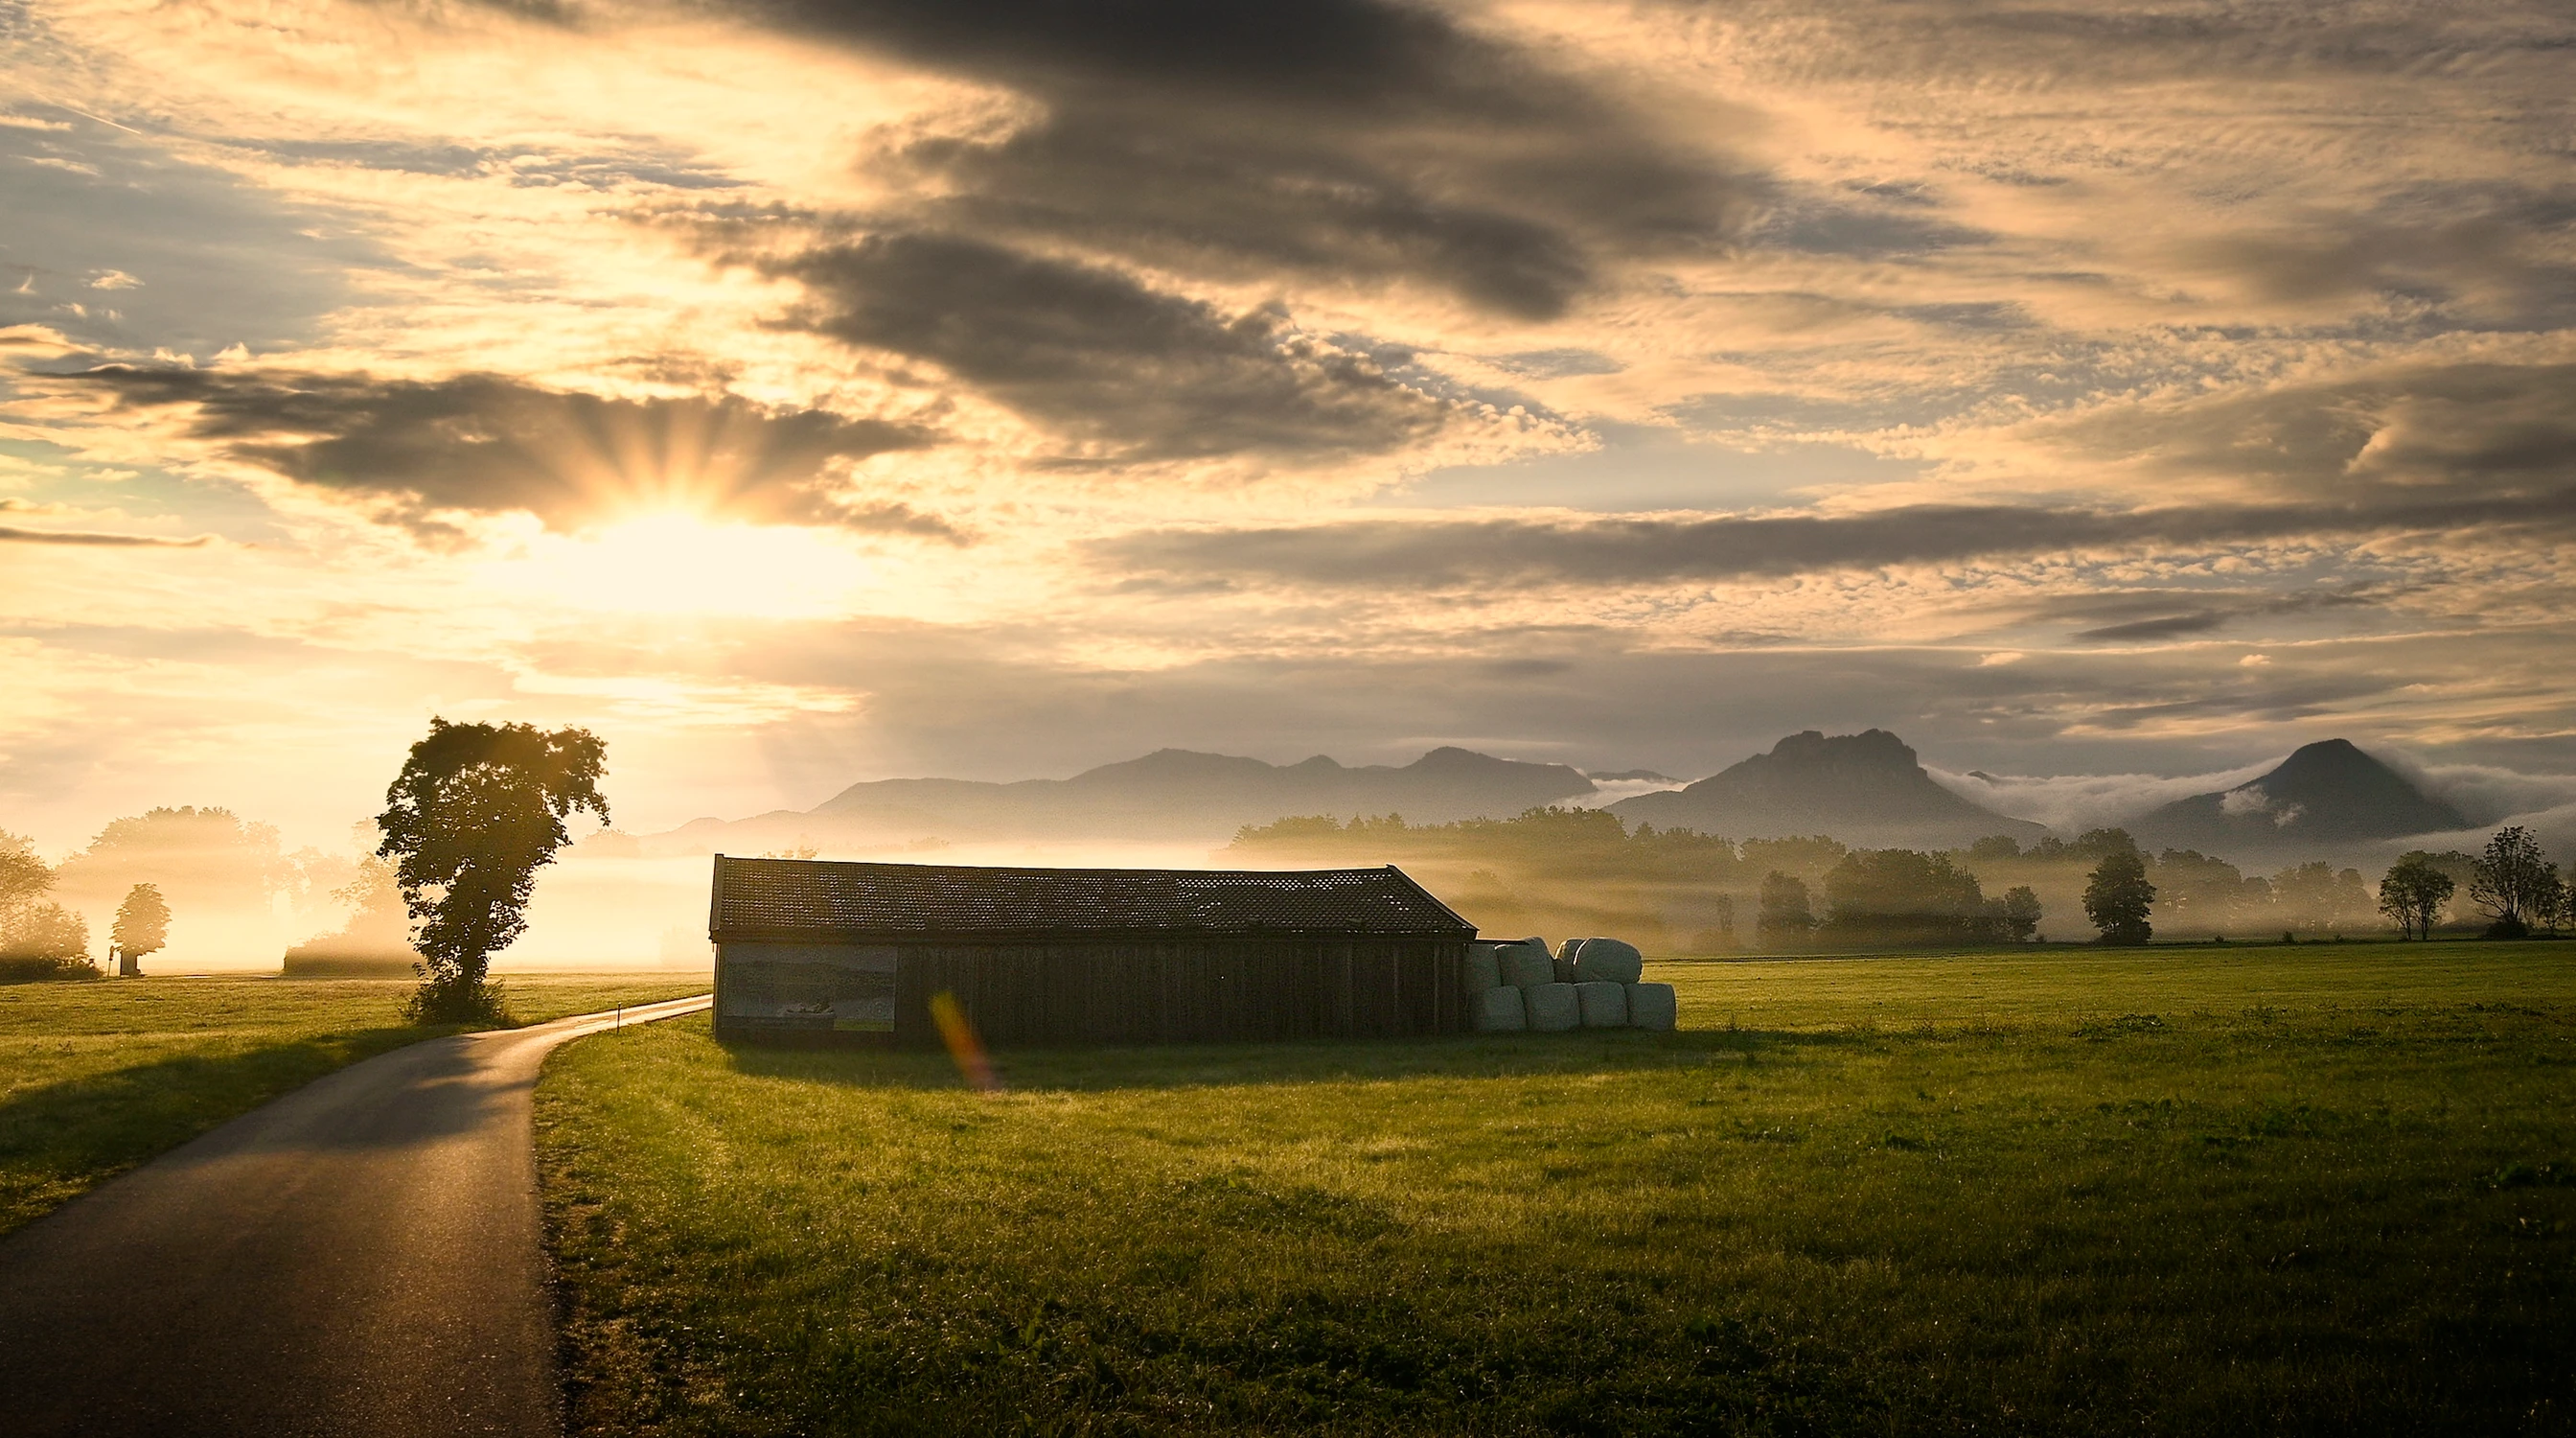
{"x": 2118, "y": 898}
{"x": 2412, "y": 894}
{"x": 1785, "y": 916}
{"x": 2020, "y": 912}
{"x": 38, "y": 937}
{"x": 476, "y": 811}
{"x": 1903, "y": 896}
{"x": 142, "y": 927}
{"x": 2514, "y": 884}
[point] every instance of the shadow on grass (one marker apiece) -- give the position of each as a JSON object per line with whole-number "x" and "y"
{"x": 1316, "y": 1061}
{"x": 65, "y": 1138}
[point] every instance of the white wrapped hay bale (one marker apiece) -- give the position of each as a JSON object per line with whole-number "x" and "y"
{"x": 1609, "y": 961}
{"x": 1484, "y": 970}
{"x": 1565, "y": 960}
{"x": 1653, "y": 1006}
{"x": 1604, "y": 1005}
{"x": 1553, "y": 1008}
{"x": 1526, "y": 964}
{"x": 1497, "y": 1010}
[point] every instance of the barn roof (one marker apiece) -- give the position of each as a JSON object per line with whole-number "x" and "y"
{"x": 803, "y": 897}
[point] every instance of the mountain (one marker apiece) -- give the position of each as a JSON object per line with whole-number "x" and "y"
{"x": 1174, "y": 795}
{"x": 1867, "y": 790}
{"x": 2327, "y": 794}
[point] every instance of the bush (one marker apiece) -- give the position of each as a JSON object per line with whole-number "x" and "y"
{"x": 44, "y": 968}
{"x": 477, "y": 1002}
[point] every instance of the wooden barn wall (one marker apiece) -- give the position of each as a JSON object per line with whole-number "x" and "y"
{"x": 1185, "y": 991}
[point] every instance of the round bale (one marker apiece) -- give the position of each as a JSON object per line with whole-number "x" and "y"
{"x": 1653, "y": 1006}
{"x": 1484, "y": 969}
{"x": 1613, "y": 961}
{"x": 1604, "y": 1005}
{"x": 1498, "y": 1011}
{"x": 1526, "y": 964}
{"x": 1565, "y": 960}
{"x": 1553, "y": 1008}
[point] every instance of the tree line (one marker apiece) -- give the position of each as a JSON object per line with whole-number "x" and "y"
{"x": 1580, "y": 869}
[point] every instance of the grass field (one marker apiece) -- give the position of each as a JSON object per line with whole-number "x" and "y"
{"x": 97, "y": 1077}
{"x": 2319, "y": 1190}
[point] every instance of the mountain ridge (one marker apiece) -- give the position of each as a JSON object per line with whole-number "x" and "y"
{"x": 1868, "y": 789}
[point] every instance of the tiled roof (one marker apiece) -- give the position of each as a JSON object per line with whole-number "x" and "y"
{"x": 804, "y": 897}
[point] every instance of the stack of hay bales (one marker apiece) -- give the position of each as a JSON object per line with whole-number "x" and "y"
{"x": 1590, "y": 983}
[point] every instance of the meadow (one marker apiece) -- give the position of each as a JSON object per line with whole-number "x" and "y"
{"x": 98, "y": 1077}
{"x": 2306, "y": 1190}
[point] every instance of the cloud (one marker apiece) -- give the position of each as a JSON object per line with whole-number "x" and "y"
{"x": 2170, "y": 613}
{"x": 2401, "y": 433}
{"x": 2073, "y": 803}
{"x": 1353, "y": 139}
{"x": 85, "y": 538}
{"x": 1096, "y": 356}
{"x": 1483, "y": 553}
{"x": 488, "y": 444}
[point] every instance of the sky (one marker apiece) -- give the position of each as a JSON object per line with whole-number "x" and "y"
{"x": 805, "y": 392}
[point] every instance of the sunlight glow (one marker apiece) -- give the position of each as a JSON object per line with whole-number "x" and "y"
{"x": 674, "y": 563}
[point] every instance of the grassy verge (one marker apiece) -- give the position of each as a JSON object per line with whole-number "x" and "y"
{"x": 97, "y": 1077}
{"x": 2318, "y": 1192}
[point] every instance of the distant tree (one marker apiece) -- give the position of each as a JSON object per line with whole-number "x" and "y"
{"x": 1786, "y": 915}
{"x": 2412, "y": 894}
{"x": 142, "y": 927}
{"x": 1994, "y": 848}
{"x": 2197, "y": 893}
{"x": 2020, "y": 912}
{"x": 1903, "y": 896}
{"x": 476, "y": 811}
{"x": 2320, "y": 898}
{"x": 2514, "y": 884}
{"x": 39, "y": 939}
{"x": 199, "y": 859}
{"x": 24, "y": 877}
{"x": 2118, "y": 898}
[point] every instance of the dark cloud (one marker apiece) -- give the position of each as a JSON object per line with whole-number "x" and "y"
{"x": 1350, "y": 138}
{"x": 487, "y": 444}
{"x": 2198, "y": 621}
{"x": 1098, "y": 357}
{"x": 81, "y": 537}
{"x": 2168, "y": 613}
{"x": 1402, "y": 554}
{"x": 2400, "y": 436}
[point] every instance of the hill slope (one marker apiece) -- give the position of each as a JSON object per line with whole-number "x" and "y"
{"x": 1866, "y": 789}
{"x": 2326, "y": 794}
{"x": 1173, "y": 795}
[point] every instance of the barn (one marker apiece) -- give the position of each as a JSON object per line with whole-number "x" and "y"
{"x": 811, "y": 951}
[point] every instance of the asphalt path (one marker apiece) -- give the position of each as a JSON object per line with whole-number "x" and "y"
{"x": 360, "y": 1257}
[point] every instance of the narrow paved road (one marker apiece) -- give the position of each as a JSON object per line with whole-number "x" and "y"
{"x": 359, "y": 1257}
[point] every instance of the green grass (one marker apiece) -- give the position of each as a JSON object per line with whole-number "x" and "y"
{"x": 2315, "y": 1190}
{"x": 97, "y": 1077}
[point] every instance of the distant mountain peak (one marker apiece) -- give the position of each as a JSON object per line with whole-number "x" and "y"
{"x": 1867, "y": 788}
{"x": 2327, "y": 792}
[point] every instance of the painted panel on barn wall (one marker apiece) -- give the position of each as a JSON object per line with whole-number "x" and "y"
{"x": 831, "y": 988}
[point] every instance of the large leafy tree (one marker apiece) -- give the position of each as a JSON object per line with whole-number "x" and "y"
{"x": 142, "y": 927}
{"x": 476, "y": 811}
{"x": 2118, "y": 898}
{"x": 2515, "y": 884}
{"x": 2412, "y": 894}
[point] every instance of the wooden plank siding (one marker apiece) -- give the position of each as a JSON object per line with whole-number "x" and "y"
{"x": 1185, "y": 990}
{"x": 853, "y": 952}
